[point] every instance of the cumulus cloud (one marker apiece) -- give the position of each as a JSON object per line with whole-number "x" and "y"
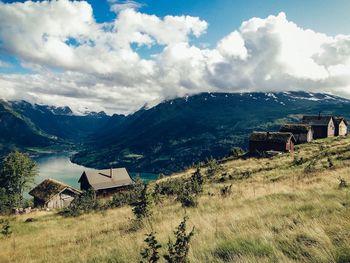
{"x": 96, "y": 66}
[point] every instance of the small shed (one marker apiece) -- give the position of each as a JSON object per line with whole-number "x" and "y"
{"x": 106, "y": 182}
{"x": 323, "y": 126}
{"x": 53, "y": 194}
{"x": 271, "y": 141}
{"x": 303, "y": 133}
{"x": 341, "y": 126}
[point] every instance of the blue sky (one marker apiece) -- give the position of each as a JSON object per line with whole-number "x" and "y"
{"x": 147, "y": 58}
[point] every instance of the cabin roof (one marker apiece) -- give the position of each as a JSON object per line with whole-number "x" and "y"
{"x": 49, "y": 188}
{"x": 280, "y": 137}
{"x": 338, "y": 120}
{"x": 109, "y": 178}
{"x": 316, "y": 120}
{"x": 296, "y": 128}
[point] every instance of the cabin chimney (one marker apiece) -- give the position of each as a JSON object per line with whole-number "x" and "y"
{"x": 110, "y": 172}
{"x": 267, "y": 134}
{"x": 319, "y": 115}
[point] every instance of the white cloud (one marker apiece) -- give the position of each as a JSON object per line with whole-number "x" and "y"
{"x": 84, "y": 64}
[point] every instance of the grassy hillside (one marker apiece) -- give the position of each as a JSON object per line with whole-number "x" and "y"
{"x": 281, "y": 210}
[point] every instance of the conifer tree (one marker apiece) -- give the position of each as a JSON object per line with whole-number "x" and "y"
{"x": 150, "y": 253}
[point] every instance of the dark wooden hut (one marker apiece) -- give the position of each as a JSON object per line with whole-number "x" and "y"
{"x": 105, "y": 182}
{"x": 53, "y": 194}
{"x": 271, "y": 141}
{"x": 303, "y": 133}
{"x": 323, "y": 126}
{"x": 341, "y": 126}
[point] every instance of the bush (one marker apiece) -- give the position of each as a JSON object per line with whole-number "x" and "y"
{"x": 342, "y": 183}
{"x": 236, "y": 152}
{"x": 230, "y": 249}
{"x": 150, "y": 253}
{"x": 6, "y": 230}
{"x": 142, "y": 207}
{"x": 213, "y": 168}
{"x": 197, "y": 181}
{"x": 187, "y": 199}
{"x": 178, "y": 250}
{"x": 85, "y": 203}
{"x": 226, "y": 190}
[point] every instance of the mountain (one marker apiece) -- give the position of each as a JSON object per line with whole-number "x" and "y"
{"x": 60, "y": 121}
{"x": 18, "y": 131}
{"x": 179, "y": 132}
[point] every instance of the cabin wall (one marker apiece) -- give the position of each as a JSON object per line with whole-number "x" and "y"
{"x": 106, "y": 193}
{"x": 263, "y": 146}
{"x": 331, "y": 129}
{"x": 310, "y": 135}
{"x": 342, "y": 129}
{"x": 61, "y": 200}
{"x": 320, "y": 132}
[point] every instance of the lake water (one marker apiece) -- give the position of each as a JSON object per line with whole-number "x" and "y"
{"x": 60, "y": 168}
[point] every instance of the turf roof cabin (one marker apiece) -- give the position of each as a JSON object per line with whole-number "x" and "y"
{"x": 303, "y": 133}
{"x": 271, "y": 141}
{"x": 323, "y": 126}
{"x": 341, "y": 126}
{"x": 53, "y": 194}
{"x": 106, "y": 182}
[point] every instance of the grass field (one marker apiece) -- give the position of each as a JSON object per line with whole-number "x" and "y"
{"x": 282, "y": 210}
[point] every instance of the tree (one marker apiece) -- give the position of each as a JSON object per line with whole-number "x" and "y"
{"x": 197, "y": 181}
{"x": 142, "y": 207}
{"x": 17, "y": 174}
{"x": 150, "y": 254}
{"x": 178, "y": 251}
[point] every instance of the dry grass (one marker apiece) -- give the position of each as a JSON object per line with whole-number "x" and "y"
{"x": 281, "y": 213}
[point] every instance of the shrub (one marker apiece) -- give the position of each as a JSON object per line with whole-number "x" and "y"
{"x": 197, "y": 181}
{"x": 85, "y": 203}
{"x": 213, "y": 168}
{"x": 142, "y": 207}
{"x": 236, "y": 152}
{"x": 6, "y": 229}
{"x": 178, "y": 250}
{"x": 187, "y": 199}
{"x": 342, "y": 183}
{"x": 229, "y": 249}
{"x": 226, "y": 190}
{"x": 298, "y": 161}
{"x": 150, "y": 253}
{"x": 156, "y": 194}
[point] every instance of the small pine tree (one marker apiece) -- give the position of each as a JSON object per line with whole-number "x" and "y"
{"x": 142, "y": 208}
{"x": 156, "y": 195}
{"x": 150, "y": 253}
{"x": 197, "y": 181}
{"x": 6, "y": 230}
{"x": 178, "y": 251}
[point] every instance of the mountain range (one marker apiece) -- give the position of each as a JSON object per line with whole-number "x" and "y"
{"x": 162, "y": 139}
{"x": 184, "y": 131}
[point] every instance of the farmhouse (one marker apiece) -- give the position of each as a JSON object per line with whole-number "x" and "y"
{"x": 105, "y": 182}
{"x": 341, "y": 126}
{"x": 271, "y": 141}
{"x": 53, "y": 194}
{"x": 303, "y": 133}
{"x": 323, "y": 126}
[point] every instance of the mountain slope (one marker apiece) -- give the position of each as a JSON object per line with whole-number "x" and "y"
{"x": 17, "y": 130}
{"x": 279, "y": 211}
{"x": 179, "y": 132}
{"x": 60, "y": 121}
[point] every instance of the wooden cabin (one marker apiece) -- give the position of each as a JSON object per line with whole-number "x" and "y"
{"x": 341, "y": 126}
{"x": 271, "y": 141}
{"x": 303, "y": 133}
{"x": 105, "y": 182}
{"x": 323, "y": 126}
{"x": 53, "y": 194}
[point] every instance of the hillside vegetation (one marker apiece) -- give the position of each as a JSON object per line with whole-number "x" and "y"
{"x": 182, "y": 131}
{"x": 284, "y": 209}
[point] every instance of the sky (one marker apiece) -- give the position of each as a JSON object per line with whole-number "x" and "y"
{"x": 119, "y": 55}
